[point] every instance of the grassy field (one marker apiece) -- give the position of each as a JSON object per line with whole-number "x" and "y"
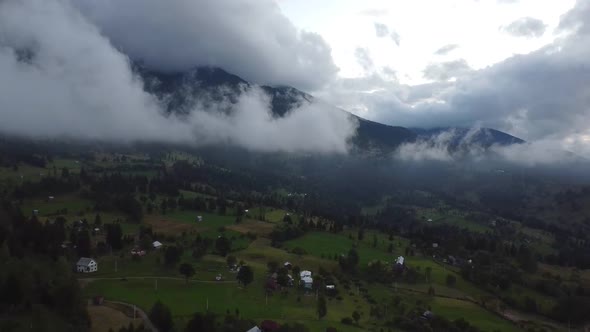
{"x": 456, "y": 309}
{"x": 23, "y": 173}
{"x": 184, "y": 300}
{"x": 152, "y": 265}
{"x": 73, "y": 205}
{"x": 191, "y": 194}
{"x": 452, "y": 217}
{"x": 293, "y": 306}
{"x": 461, "y": 289}
{"x": 104, "y": 318}
{"x": 328, "y": 245}
{"x": 210, "y": 220}
{"x": 269, "y": 214}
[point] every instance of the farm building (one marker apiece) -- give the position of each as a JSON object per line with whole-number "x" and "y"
{"x": 86, "y": 265}
{"x": 157, "y": 244}
{"x": 400, "y": 260}
{"x": 138, "y": 252}
{"x": 269, "y": 326}
{"x": 271, "y": 284}
{"x": 307, "y": 282}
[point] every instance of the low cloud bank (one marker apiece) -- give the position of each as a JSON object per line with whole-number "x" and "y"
{"x": 451, "y": 146}
{"x": 61, "y": 78}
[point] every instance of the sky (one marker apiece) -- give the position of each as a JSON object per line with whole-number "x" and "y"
{"x": 520, "y": 66}
{"x": 478, "y": 32}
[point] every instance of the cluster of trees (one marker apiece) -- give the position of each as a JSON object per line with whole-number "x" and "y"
{"x": 161, "y": 317}
{"x": 36, "y": 281}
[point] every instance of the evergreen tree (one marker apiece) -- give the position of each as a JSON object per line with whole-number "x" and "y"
{"x": 187, "y": 270}
{"x": 245, "y": 275}
{"x": 161, "y": 317}
{"x": 322, "y": 309}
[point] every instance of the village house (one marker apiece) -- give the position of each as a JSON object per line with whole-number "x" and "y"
{"x": 157, "y": 244}
{"x": 307, "y": 282}
{"x": 304, "y": 274}
{"x": 86, "y": 265}
{"x": 400, "y": 260}
{"x": 137, "y": 252}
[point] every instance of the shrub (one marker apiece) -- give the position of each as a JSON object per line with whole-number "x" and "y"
{"x": 347, "y": 321}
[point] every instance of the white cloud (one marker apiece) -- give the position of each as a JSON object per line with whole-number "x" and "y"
{"x": 539, "y": 153}
{"x": 444, "y": 71}
{"x": 381, "y": 30}
{"x": 529, "y": 27}
{"x": 436, "y": 149}
{"x": 542, "y": 95}
{"x": 364, "y": 59}
{"x": 446, "y": 49}
{"x": 61, "y": 78}
{"x": 312, "y": 127}
{"x": 451, "y": 146}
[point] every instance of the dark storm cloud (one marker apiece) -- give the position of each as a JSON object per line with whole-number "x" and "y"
{"x": 444, "y": 50}
{"x": 578, "y": 19}
{"x": 526, "y": 27}
{"x": 61, "y": 78}
{"x": 250, "y": 38}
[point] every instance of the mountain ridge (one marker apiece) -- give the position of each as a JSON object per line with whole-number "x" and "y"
{"x": 181, "y": 90}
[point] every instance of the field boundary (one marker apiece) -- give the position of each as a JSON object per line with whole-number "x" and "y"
{"x": 147, "y": 323}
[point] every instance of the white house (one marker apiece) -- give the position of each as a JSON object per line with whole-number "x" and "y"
{"x": 157, "y": 244}
{"x": 400, "y": 260}
{"x": 86, "y": 265}
{"x": 305, "y": 274}
{"x": 307, "y": 282}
